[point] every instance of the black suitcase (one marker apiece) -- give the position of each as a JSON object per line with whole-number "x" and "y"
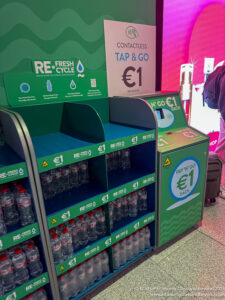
{"x": 213, "y": 178}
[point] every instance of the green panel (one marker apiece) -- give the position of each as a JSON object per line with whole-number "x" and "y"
{"x": 182, "y": 190}
{"x": 27, "y": 288}
{"x": 13, "y": 172}
{"x": 90, "y": 204}
{"x": 18, "y": 236}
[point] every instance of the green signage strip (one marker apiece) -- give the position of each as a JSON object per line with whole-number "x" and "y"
{"x": 65, "y": 158}
{"x": 18, "y": 236}
{"x": 27, "y": 288}
{"x": 90, "y": 204}
{"x": 134, "y": 226}
{"x": 13, "y": 172}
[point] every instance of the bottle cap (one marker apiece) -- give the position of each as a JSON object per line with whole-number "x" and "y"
{"x": 65, "y": 230}
{"x": 143, "y": 188}
{"x": 70, "y": 271}
{"x": 54, "y": 235}
{"x": 3, "y": 257}
{"x": 91, "y": 213}
{"x": 5, "y": 190}
{"x": 21, "y": 191}
{"x": 51, "y": 230}
{"x": 30, "y": 245}
{"x": 99, "y": 208}
{"x": 71, "y": 221}
{"x": 133, "y": 193}
{"x": 61, "y": 226}
{"x": 17, "y": 251}
{"x": 81, "y": 217}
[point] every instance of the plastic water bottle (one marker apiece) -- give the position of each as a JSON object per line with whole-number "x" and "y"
{"x": 91, "y": 226}
{"x": 11, "y": 215}
{"x": 20, "y": 266}
{"x": 100, "y": 217}
{"x": 82, "y": 233}
{"x": 74, "y": 175}
{"x": 33, "y": 259}
{"x": 97, "y": 264}
{"x": 24, "y": 205}
{"x": 147, "y": 235}
{"x": 117, "y": 209}
{"x": 125, "y": 161}
{"x": 73, "y": 283}
{"x": 142, "y": 200}
{"x": 69, "y": 225}
{"x": 65, "y": 175}
{"x": 116, "y": 256}
{"x": 56, "y": 187}
{"x": 3, "y": 229}
{"x": 124, "y": 205}
{"x": 6, "y": 273}
{"x": 59, "y": 229}
{"x": 123, "y": 252}
{"x": 135, "y": 237}
{"x": 141, "y": 240}
{"x": 89, "y": 270}
{"x": 46, "y": 184}
{"x": 40, "y": 294}
{"x": 111, "y": 214}
{"x": 129, "y": 247}
{"x": 75, "y": 237}
{"x": 82, "y": 279}
{"x": 132, "y": 204}
{"x": 67, "y": 244}
{"x": 83, "y": 172}
{"x": 63, "y": 287}
{"x": 105, "y": 262}
{"x": 56, "y": 249}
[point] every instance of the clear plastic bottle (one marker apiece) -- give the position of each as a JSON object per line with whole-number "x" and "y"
{"x": 101, "y": 225}
{"x": 46, "y": 184}
{"x": 82, "y": 279}
{"x": 33, "y": 259}
{"x": 129, "y": 248}
{"x": 111, "y": 213}
{"x": 133, "y": 204}
{"x": 56, "y": 246}
{"x": 73, "y": 283}
{"x": 24, "y": 205}
{"x": 56, "y": 187}
{"x": 135, "y": 237}
{"x": 142, "y": 200}
{"x": 125, "y": 161}
{"x": 117, "y": 209}
{"x": 40, "y": 294}
{"x": 83, "y": 172}
{"x": 82, "y": 233}
{"x": 105, "y": 262}
{"x": 97, "y": 264}
{"x": 147, "y": 235}
{"x": 125, "y": 208}
{"x": 67, "y": 244}
{"x": 11, "y": 215}
{"x": 74, "y": 175}
{"x": 20, "y": 266}
{"x": 63, "y": 287}
{"x": 91, "y": 226}
{"x": 89, "y": 270}
{"x": 116, "y": 256}
{"x": 69, "y": 225}
{"x": 6, "y": 273}
{"x": 65, "y": 176}
{"x": 75, "y": 236}
{"x": 141, "y": 240}
{"x": 59, "y": 229}
{"x": 123, "y": 252}
{"x": 3, "y": 229}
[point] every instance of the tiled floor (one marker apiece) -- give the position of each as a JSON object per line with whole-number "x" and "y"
{"x": 191, "y": 268}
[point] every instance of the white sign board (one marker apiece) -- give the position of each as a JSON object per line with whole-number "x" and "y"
{"x": 130, "y": 58}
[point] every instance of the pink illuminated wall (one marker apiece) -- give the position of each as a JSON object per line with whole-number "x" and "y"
{"x": 192, "y": 30}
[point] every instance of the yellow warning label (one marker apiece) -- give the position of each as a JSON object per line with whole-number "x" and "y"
{"x": 61, "y": 268}
{"x": 167, "y": 162}
{"x": 45, "y": 164}
{"x": 54, "y": 221}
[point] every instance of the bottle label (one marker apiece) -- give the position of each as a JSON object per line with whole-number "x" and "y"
{"x": 24, "y": 203}
{"x": 6, "y": 271}
{"x": 56, "y": 248}
{"x": 20, "y": 265}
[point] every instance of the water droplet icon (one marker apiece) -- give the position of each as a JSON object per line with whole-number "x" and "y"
{"x": 49, "y": 86}
{"x": 73, "y": 85}
{"x": 80, "y": 67}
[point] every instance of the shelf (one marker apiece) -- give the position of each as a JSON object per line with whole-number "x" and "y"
{"x": 16, "y": 237}
{"x": 92, "y": 203}
{"x": 27, "y": 288}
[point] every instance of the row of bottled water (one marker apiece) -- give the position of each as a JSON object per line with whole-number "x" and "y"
{"x": 68, "y": 237}
{"x": 83, "y": 276}
{"x": 118, "y": 160}
{"x": 62, "y": 179}
{"x": 131, "y": 246}
{"x": 128, "y": 206}
{"x": 39, "y": 294}
{"x": 18, "y": 264}
{"x": 15, "y": 206}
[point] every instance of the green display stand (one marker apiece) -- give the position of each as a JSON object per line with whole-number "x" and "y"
{"x": 182, "y": 161}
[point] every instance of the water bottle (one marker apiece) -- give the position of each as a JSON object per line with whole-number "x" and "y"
{"x": 6, "y": 273}
{"x": 125, "y": 160}
{"x": 56, "y": 187}
{"x": 3, "y": 229}
{"x": 97, "y": 264}
{"x": 124, "y": 205}
{"x": 40, "y": 294}
{"x": 100, "y": 217}
{"x": 83, "y": 172}
{"x": 11, "y": 215}
{"x": 142, "y": 200}
{"x": 89, "y": 270}
{"x": 105, "y": 262}
{"x": 75, "y": 237}
{"x": 117, "y": 209}
{"x": 129, "y": 247}
{"x": 91, "y": 226}
{"x": 74, "y": 175}
{"x": 81, "y": 276}
{"x": 63, "y": 287}
{"x": 20, "y": 266}
{"x": 116, "y": 256}
{"x": 82, "y": 233}
{"x": 46, "y": 184}
{"x": 141, "y": 240}
{"x": 24, "y": 205}
{"x": 65, "y": 175}
{"x": 59, "y": 229}
{"x": 132, "y": 204}
{"x": 33, "y": 259}
{"x": 123, "y": 252}
{"x": 73, "y": 283}
{"x": 111, "y": 214}
{"x": 147, "y": 235}
{"x": 135, "y": 237}
{"x": 56, "y": 249}
{"x": 67, "y": 244}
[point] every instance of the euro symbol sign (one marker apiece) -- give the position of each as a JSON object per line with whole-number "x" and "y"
{"x": 182, "y": 182}
{"x": 127, "y": 77}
